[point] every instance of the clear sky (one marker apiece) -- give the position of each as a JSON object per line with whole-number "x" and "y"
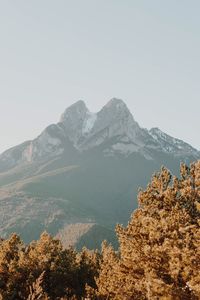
{"x": 55, "y": 52}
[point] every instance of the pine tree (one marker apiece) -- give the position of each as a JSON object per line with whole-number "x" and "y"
{"x": 159, "y": 255}
{"x": 44, "y": 270}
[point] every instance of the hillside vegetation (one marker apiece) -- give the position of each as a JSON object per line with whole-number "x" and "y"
{"x": 158, "y": 256}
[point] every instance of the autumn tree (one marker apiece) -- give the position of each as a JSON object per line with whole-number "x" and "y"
{"x": 10, "y": 277}
{"x": 44, "y": 270}
{"x": 159, "y": 255}
{"x": 88, "y": 269}
{"x": 158, "y": 258}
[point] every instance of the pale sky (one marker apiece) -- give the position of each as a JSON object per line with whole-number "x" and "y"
{"x": 55, "y": 52}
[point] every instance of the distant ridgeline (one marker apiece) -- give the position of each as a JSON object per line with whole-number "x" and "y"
{"x": 80, "y": 177}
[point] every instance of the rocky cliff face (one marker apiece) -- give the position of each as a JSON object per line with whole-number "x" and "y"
{"x": 113, "y": 125}
{"x": 87, "y": 130}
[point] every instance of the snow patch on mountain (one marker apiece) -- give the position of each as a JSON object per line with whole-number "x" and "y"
{"x": 89, "y": 122}
{"x": 172, "y": 145}
{"x": 113, "y": 128}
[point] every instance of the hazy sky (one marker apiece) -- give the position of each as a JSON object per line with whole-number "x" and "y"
{"x": 55, "y": 52}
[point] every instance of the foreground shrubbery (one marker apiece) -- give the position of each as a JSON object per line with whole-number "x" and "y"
{"x": 159, "y": 255}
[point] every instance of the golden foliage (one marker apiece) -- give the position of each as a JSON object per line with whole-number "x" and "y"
{"x": 159, "y": 255}
{"x": 158, "y": 258}
{"x": 44, "y": 270}
{"x": 36, "y": 290}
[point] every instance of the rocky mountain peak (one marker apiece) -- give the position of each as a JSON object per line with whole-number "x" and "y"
{"x": 116, "y": 108}
{"x": 113, "y": 127}
{"x": 76, "y": 110}
{"x": 115, "y": 111}
{"x": 114, "y": 120}
{"x": 116, "y": 102}
{"x": 86, "y": 129}
{"x": 172, "y": 145}
{"x": 73, "y": 120}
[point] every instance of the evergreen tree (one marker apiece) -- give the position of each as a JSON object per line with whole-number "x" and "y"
{"x": 159, "y": 255}
{"x": 44, "y": 270}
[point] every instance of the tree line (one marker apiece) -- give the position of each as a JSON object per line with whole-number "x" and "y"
{"x": 158, "y": 255}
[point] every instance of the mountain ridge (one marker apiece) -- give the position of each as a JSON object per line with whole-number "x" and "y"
{"x": 86, "y": 169}
{"x": 85, "y": 130}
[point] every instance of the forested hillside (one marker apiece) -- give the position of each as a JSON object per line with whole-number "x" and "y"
{"x": 158, "y": 255}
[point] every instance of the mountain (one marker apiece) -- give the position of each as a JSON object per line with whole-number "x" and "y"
{"x": 86, "y": 169}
